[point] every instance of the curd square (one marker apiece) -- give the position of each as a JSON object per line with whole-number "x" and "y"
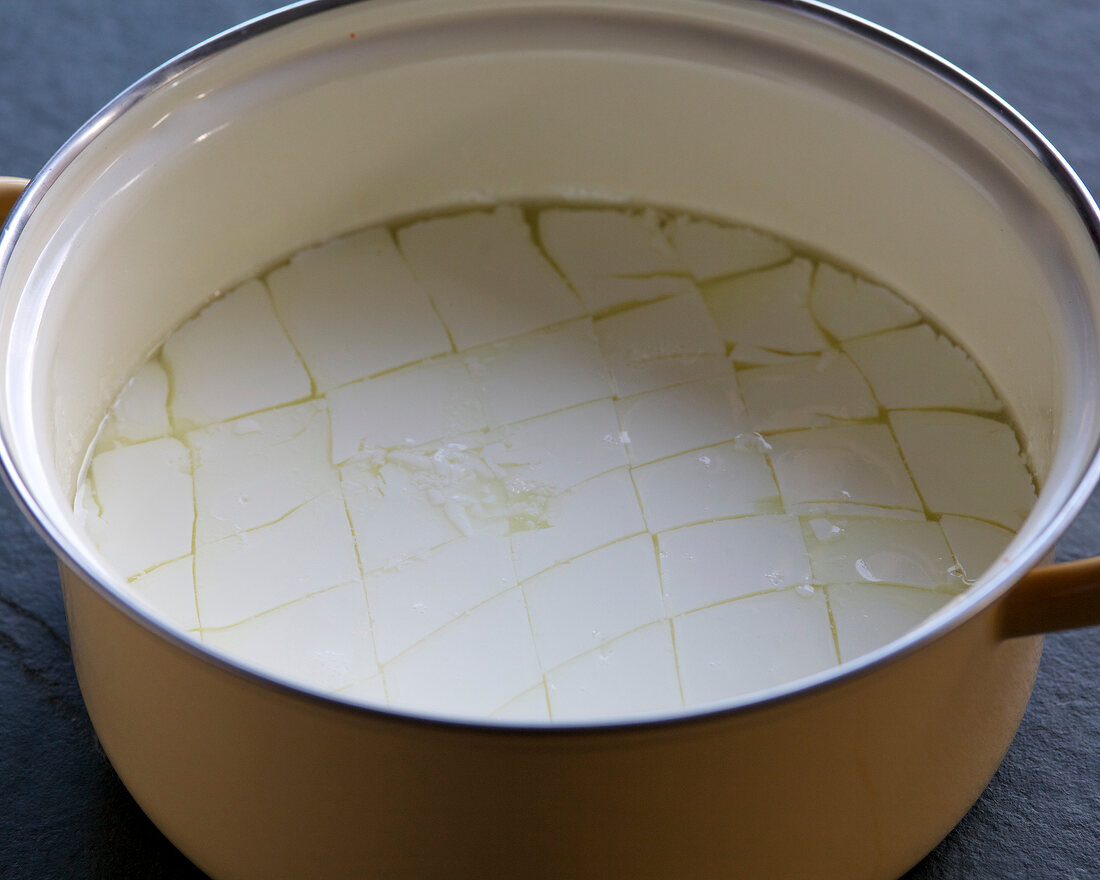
{"x": 868, "y": 616}
{"x": 848, "y": 306}
{"x": 807, "y": 393}
{"x": 743, "y": 355}
{"x": 370, "y": 691}
{"x": 661, "y": 423}
{"x": 128, "y": 483}
{"x": 752, "y": 644}
{"x": 976, "y": 544}
{"x": 352, "y": 308}
{"x": 235, "y": 464}
{"x": 231, "y": 359}
{"x": 594, "y": 598}
{"x": 713, "y": 562}
{"x": 917, "y": 368}
{"x": 767, "y": 309}
{"x": 633, "y": 675}
{"x": 561, "y": 449}
{"x": 532, "y": 705}
{"x": 710, "y": 250}
{"x": 391, "y": 516}
{"x": 711, "y": 483}
{"x": 667, "y": 342}
{"x": 141, "y": 411}
{"x": 476, "y": 664}
{"x": 611, "y": 256}
{"x": 321, "y": 642}
{"x": 169, "y": 593}
{"x": 408, "y": 407}
{"x": 540, "y": 372}
{"x": 894, "y": 551}
{"x": 485, "y": 275}
{"x": 247, "y": 574}
{"x": 594, "y": 513}
{"x": 415, "y": 598}
{"x": 854, "y": 464}
{"x": 966, "y": 465}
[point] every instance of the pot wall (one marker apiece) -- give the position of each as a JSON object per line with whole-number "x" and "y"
{"x": 855, "y": 781}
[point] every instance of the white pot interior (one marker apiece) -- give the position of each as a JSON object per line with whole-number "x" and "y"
{"x": 747, "y": 111}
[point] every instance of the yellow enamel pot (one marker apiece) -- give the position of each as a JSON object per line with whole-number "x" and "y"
{"x": 328, "y": 116}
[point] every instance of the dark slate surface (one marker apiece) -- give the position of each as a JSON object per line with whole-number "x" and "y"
{"x": 63, "y": 812}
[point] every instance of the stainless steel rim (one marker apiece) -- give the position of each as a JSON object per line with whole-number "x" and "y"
{"x": 972, "y": 603}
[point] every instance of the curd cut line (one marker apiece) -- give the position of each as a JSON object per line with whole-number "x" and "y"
{"x": 552, "y": 462}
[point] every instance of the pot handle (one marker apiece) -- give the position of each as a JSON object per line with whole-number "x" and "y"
{"x": 1053, "y": 597}
{"x": 11, "y": 188}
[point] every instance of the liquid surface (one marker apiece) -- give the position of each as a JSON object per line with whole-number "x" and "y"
{"x": 553, "y": 464}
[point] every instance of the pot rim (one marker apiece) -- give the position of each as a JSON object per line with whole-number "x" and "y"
{"x": 984, "y": 593}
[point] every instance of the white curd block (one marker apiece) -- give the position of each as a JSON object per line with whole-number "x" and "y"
{"x": 667, "y": 421}
{"x": 717, "y": 561}
{"x": 754, "y": 643}
{"x": 532, "y": 705}
{"x": 146, "y": 504}
{"x": 540, "y": 372}
{"x": 232, "y": 358}
{"x": 305, "y": 552}
{"x": 606, "y": 241}
{"x": 369, "y": 691}
{"x": 917, "y": 368}
{"x": 848, "y": 306}
{"x": 352, "y": 309}
{"x": 976, "y": 544}
{"x": 321, "y": 642}
{"x": 663, "y": 343}
{"x": 471, "y": 667}
{"x": 561, "y": 449}
{"x": 633, "y": 675}
{"x": 599, "y": 249}
{"x": 594, "y": 598}
{"x": 391, "y": 516}
{"x": 255, "y": 469}
{"x": 590, "y": 515}
{"x": 831, "y": 508}
{"x": 767, "y": 309}
{"x": 806, "y": 393}
{"x": 141, "y": 411}
{"x": 966, "y": 465}
{"x": 608, "y": 294}
{"x": 856, "y": 464}
{"x": 892, "y": 551}
{"x": 711, "y": 483}
{"x": 750, "y": 356}
{"x": 169, "y": 592}
{"x": 417, "y": 597}
{"x": 475, "y": 495}
{"x": 868, "y": 616}
{"x": 408, "y": 407}
{"x": 486, "y": 276}
{"x": 710, "y": 250}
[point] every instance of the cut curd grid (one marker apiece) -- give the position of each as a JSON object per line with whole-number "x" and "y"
{"x": 544, "y": 463}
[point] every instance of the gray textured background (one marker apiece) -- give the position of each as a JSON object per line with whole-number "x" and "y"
{"x": 63, "y": 812}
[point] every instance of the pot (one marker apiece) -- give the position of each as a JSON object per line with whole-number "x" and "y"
{"x": 327, "y": 116}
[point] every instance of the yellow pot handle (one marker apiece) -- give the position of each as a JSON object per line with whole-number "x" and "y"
{"x": 1053, "y": 597}
{"x": 11, "y": 188}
